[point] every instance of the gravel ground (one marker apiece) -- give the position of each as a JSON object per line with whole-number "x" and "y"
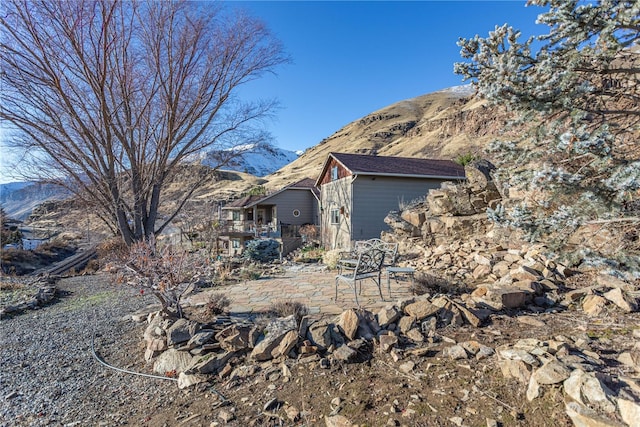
{"x": 49, "y": 376}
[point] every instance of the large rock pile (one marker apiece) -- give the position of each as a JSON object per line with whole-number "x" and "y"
{"x": 406, "y": 332}
{"x": 193, "y": 350}
{"x": 593, "y": 397}
{"x": 451, "y": 212}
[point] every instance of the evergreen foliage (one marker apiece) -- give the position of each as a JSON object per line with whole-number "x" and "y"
{"x": 578, "y": 84}
{"x": 262, "y": 250}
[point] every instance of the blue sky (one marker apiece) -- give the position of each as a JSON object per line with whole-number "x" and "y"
{"x": 352, "y": 58}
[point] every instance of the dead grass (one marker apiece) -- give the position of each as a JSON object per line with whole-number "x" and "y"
{"x": 284, "y": 308}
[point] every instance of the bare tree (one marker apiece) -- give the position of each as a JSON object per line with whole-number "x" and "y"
{"x": 108, "y": 97}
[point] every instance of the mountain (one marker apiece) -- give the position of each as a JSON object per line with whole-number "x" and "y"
{"x": 257, "y": 160}
{"x": 19, "y": 198}
{"x": 442, "y": 125}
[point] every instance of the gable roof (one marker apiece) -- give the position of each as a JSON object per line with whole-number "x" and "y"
{"x": 245, "y": 202}
{"x": 362, "y": 164}
{"x": 305, "y": 184}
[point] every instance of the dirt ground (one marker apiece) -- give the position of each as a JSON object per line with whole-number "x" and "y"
{"x": 438, "y": 391}
{"x": 377, "y": 391}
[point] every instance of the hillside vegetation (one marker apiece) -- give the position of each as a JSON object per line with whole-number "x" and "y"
{"x": 444, "y": 125}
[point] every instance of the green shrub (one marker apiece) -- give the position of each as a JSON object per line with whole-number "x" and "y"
{"x": 465, "y": 159}
{"x": 262, "y": 250}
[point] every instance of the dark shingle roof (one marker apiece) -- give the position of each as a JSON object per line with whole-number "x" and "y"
{"x": 306, "y": 183}
{"x": 399, "y": 166}
{"x": 248, "y": 201}
{"x": 243, "y": 201}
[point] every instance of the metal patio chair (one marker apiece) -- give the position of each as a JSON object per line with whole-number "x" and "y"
{"x": 368, "y": 266}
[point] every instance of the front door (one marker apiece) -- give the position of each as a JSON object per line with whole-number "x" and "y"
{"x": 261, "y": 216}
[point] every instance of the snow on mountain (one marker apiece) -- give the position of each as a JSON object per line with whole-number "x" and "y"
{"x": 256, "y": 160}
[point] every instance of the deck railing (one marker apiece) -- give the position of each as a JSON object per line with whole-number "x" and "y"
{"x": 249, "y": 227}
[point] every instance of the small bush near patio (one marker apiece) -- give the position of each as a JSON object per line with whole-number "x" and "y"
{"x": 309, "y": 253}
{"x": 286, "y": 308}
{"x": 331, "y": 258}
{"x": 216, "y": 304}
{"x": 426, "y": 283}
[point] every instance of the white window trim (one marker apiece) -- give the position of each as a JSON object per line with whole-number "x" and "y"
{"x": 334, "y": 216}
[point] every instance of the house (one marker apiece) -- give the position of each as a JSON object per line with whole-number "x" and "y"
{"x": 278, "y": 215}
{"x": 358, "y": 191}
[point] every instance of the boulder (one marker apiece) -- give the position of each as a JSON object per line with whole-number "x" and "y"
{"x": 631, "y": 359}
{"x": 287, "y": 343}
{"x": 414, "y": 217}
{"x": 348, "y": 323}
{"x": 516, "y": 369}
{"x": 593, "y": 305}
{"x": 320, "y": 334}
{"x": 387, "y": 342}
{"x": 629, "y": 412}
{"x": 209, "y": 363}
{"x": 274, "y": 333}
{"x": 552, "y": 372}
{"x": 181, "y": 331}
{"x": 415, "y": 335}
{"x": 346, "y": 354}
{"x": 173, "y": 361}
{"x": 621, "y": 299}
{"x": 585, "y": 417}
{"x": 478, "y": 174}
{"x": 586, "y": 389}
{"x": 421, "y": 309}
{"x": 186, "y": 380}
{"x": 388, "y": 315}
{"x": 406, "y": 323}
{"x": 455, "y": 352}
{"x": 200, "y": 338}
{"x": 237, "y": 337}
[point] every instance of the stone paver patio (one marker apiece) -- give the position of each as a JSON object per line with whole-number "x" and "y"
{"x": 311, "y": 285}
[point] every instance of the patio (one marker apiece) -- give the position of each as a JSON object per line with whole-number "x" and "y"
{"x": 312, "y": 285}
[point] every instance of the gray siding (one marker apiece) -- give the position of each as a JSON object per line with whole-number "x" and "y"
{"x": 290, "y": 200}
{"x": 375, "y": 197}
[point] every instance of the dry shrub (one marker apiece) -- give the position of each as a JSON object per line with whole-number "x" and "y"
{"x": 284, "y": 308}
{"x": 93, "y": 265}
{"x": 112, "y": 250}
{"x": 11, "y": 284}
{"x": 167, "y": 273}
{"x": 331, "y": 258}
{"x": 426, "y": 283}
{"x": 217, "y": 303}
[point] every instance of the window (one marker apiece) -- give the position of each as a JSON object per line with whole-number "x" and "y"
{"x": 296, "y": 213}
{"x": 235, "y": 244}
{"x": 335, "y": 216}
{"x": 236, "y": 215}
{"x": 334, "y": 173}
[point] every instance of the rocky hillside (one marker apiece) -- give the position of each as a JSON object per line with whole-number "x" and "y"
{"x": 19, "y": 198}
{"x": 443, "y": 124}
